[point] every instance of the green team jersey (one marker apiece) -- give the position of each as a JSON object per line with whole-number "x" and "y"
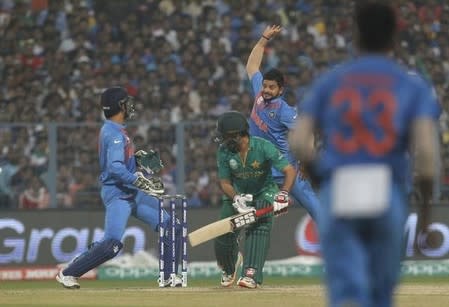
{"x": 253, "y": 175}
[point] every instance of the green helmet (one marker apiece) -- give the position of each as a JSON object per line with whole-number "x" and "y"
{"x": 232, "y": 122}
{"x": 231, "y": 126}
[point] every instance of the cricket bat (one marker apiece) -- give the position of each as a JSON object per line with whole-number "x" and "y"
{"x": 226, "y": 225}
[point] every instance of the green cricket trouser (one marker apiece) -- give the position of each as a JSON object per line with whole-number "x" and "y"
{"x": 256, "y": 236}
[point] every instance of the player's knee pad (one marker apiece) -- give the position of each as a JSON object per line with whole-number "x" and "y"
{"x": 257, "y": 243}
{"x": 262, "y": 225}
{"x": 226, "y": 250}
{"x": 98, "y": 253}
{"x": 229, "y": 239}
{"x": 110, "y": 247}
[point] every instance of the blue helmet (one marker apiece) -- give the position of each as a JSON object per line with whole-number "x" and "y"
{"x": 115, "y": 100}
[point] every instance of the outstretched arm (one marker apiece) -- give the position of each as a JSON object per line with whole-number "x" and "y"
{"x": 256, "y": 55}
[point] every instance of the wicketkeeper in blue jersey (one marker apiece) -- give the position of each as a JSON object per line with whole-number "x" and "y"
{"x": 125, "y": 189}
{"x": 272, "y": 118}
{"x": 370, "y": 112}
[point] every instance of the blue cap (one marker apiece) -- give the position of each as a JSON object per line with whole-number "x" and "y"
{"x": 110, "y": 99}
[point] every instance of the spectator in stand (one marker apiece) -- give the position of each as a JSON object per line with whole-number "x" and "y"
{"x": 9, "y": 166}
{"x": 35, "y": 196}
{"x": 181, "y": 59}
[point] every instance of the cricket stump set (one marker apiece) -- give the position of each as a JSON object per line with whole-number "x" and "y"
{"x": 199, "y": 236}
{"x": 171, "y": 202}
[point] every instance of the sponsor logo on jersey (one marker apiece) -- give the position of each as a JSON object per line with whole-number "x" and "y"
{"x": 233, "y": 164}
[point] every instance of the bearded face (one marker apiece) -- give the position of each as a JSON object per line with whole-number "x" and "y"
{"x": 270, "y": 90}
{"x": 232, "y": 142}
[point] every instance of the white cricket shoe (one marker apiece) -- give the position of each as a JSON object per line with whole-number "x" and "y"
{"x": 167, "y": 282}
{"x": 69, "y": 282}
{"x": 228, "y": 280}
{"x": 247, "y": 282}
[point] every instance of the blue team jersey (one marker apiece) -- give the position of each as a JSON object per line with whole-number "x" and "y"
{"x": 116, "y": 154}
{"x": 271, "y": 120}
{"x": 364, "y": 109}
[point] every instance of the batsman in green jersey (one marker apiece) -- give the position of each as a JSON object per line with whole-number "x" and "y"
{"x": 244, "y": 170}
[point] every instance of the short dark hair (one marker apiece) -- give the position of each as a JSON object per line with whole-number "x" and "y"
{"x": 376, "y": 24}
{"x": 274, "y": 75}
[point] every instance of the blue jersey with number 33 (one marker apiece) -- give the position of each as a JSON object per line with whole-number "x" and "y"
{"x": 364, "y": 110}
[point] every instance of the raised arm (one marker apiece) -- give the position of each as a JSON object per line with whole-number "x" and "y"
{"x": 256, "y": 55}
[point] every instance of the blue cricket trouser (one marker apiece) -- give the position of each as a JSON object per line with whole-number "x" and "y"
{"x": 362, "y": 256}
{"x": 303, "y": 193}
{"x": 118, "y": 210}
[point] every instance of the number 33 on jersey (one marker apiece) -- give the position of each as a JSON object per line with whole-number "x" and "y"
{"x": 376, "y": 135}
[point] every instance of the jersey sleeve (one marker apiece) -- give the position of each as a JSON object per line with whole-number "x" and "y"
{"x": 278, "y": 160}
{"x": 426, "y": 105}
{"x": 116, "y": 159}
{"x": 224, "y": 172}
{"x": 256, "y": 83}
{"x": 288, "y": 115}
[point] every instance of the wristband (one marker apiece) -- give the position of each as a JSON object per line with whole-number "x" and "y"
{"x": 267, "y": 38}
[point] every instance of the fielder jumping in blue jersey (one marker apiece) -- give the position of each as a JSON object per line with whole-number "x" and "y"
{"x": 272, "y": 117}
{"x": 369, "y": 111}
{"x": 125, "y": 191}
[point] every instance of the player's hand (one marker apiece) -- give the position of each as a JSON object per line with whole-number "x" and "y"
{"x": 271, "y": 31}
{"x": 240, "y": 203}
{"x": 149, "y": 161}
{"x": 280, "y": 204}
{"x": 152, "y": 186}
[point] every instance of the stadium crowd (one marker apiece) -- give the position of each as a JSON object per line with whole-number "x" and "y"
{"x": 184, "y": 62}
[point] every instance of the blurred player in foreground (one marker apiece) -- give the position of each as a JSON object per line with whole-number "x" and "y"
{"x": 272, "y": 117}
{"x": 244, "y": 168}
{"x": 369, "y": 112}
{"x": 125, "y": 190}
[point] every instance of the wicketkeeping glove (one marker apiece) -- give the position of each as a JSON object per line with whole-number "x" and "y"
{"x": 239, "y": 203}
{"x": 280, "y": 204}
{"x": 152, "y": 186}
{"x": 149, "y": 161}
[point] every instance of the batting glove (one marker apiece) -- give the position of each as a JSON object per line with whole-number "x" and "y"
{"x": 280, "y": 204}
{"x": 152, "y": 186}
{"x": 239, "y": 203}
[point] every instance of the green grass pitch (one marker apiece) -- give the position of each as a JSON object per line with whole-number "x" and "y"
{"x": 276, "y": 291}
